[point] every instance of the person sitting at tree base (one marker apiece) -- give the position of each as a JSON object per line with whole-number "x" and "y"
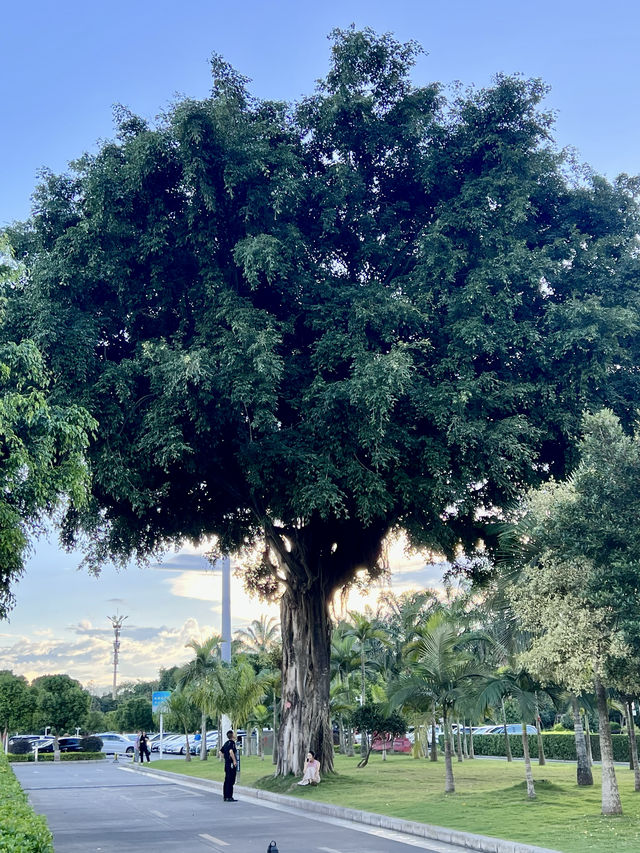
{"x": 311, "y": 770}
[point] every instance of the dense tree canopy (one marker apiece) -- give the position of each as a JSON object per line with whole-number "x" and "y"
{"x": 17, "y": 702}
{"x": 62, "y": 703}
{"x": 308, "y": 326}
{"x": 42, "y": 443}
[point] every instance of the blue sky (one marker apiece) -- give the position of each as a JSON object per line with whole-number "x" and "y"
{"x": 62, "y": 68}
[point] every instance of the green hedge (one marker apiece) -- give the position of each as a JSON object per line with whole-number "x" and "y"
{"x": 21, "y": 830}
{"x": 559, "y": 746}
{"x": 64, "y": 756}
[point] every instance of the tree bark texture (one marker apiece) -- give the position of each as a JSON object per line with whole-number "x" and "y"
{"x": 507, "y": 743}
{"x": 459, "y": 742}
{"x": 541, "y": 756}
{"x": 587, "y": 737}
{"x": 531, "y": 791}
{"x": 611, "y": 804}
{"x": 584, "y": 774}
{"x": 449, "y": 783}
{"x": 633, "y": 746}
{"x": 434, "y": 742}
{"x": 203, "y": 735}
{"x": 306, "y": 644}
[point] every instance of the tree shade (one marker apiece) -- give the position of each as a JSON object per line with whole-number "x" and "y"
{"x": 308, "y": 326}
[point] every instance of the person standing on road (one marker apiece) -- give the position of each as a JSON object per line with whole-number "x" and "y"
{"x": 230, "y": 752}
{"x": 144, "y": 747}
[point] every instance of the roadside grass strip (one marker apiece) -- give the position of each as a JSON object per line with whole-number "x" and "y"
{"x": 21, "y": 829}
{"x": 490, "y": 798}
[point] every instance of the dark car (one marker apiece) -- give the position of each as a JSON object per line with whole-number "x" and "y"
{"x": 66, "y": 744}
{"x": 70, "y": 744}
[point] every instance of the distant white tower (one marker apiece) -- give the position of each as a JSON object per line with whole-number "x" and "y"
{"x": 116, "y": 621}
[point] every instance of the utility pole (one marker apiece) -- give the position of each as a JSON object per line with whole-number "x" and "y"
{"x": 225, "y": 565}
{"x": 116, "y": 621}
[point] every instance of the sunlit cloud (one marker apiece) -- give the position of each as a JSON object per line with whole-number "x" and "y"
{"x": 89, "y": 656}
{"x": 84, "y": 649}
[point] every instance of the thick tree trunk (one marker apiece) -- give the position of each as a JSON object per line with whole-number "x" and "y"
{"x": 449, "y": 783}
{"x": 584, "y": 774}
{"x": 541, "y": 757}
{"x": 531, "y": 791}
{"x": 611, "y": 803}
{"x": 306, "y": 644}
{"x": 633, "y": 746}
{"x": 507, "y": 744}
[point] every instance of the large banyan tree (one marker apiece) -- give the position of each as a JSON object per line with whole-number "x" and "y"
{"x": 307, "y": 326}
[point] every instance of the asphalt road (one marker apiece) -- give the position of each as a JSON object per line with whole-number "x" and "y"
{"x": 102, "y": 806}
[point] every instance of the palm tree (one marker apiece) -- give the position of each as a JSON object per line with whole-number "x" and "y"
{"x": 366, "y": 632}
{"x": 520, "y": 686}
{"x": 583, "y": 753}
{"x": 345, "y": 661}
{"x": 181, "y": 705}
{"x": 442, "y": 671}
{"x": 259, "y": 719}
{"x": 402, "y": 616}
{"x": 235, "y": 690}
{"x": 194, "y": 675}
{"x": 260, "y": 635}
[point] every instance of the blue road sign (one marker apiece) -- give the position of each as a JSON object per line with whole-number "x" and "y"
{"x": 158, "y": 700}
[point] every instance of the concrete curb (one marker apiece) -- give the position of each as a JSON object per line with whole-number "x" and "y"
{"x": 467, "y": 840}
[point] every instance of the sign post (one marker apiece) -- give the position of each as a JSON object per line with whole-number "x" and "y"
{"x": 158, "y": 702}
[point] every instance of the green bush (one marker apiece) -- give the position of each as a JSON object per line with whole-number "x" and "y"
{"x": 20, "y": 747}
{"x": 91, "y": 744}
{"x": 556, "y": 745}
{"x": 64, "y": 756}
{"x": 21, "y": 830}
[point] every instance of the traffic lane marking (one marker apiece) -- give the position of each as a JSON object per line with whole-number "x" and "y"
{"x": 214, "y": 840}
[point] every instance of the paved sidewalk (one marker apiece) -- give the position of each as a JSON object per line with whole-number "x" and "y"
{"x": 450, "y": 838}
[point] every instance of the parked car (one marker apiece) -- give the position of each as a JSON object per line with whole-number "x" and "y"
{"x": 212, "y": 742}
{"x": 70, "y": 744}
{"x": 154, "y": 742}
{"x": 176, "y": 744}
{"x": 115, "y": 744}
{"x": 512, "y": 729}
{"x": 13, "y": 741}
{"x": 66, "y": 744}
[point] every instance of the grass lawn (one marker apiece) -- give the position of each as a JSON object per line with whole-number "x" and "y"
{"x": 490, "y": 798}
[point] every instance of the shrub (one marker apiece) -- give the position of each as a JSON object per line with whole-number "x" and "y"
{"x": 556, "y": 745}
{"x": 568, "y": 722}
{"x": 64, "y": 756}
{"x": 91, "y": 744}
{"x": 21, "y": 830}
{"x": 20, "y": 747}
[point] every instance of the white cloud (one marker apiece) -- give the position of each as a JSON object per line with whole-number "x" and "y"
{"x": 84, "y": 649}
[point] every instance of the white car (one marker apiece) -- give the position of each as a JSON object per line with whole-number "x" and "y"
{"x": 115, "y": 744}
